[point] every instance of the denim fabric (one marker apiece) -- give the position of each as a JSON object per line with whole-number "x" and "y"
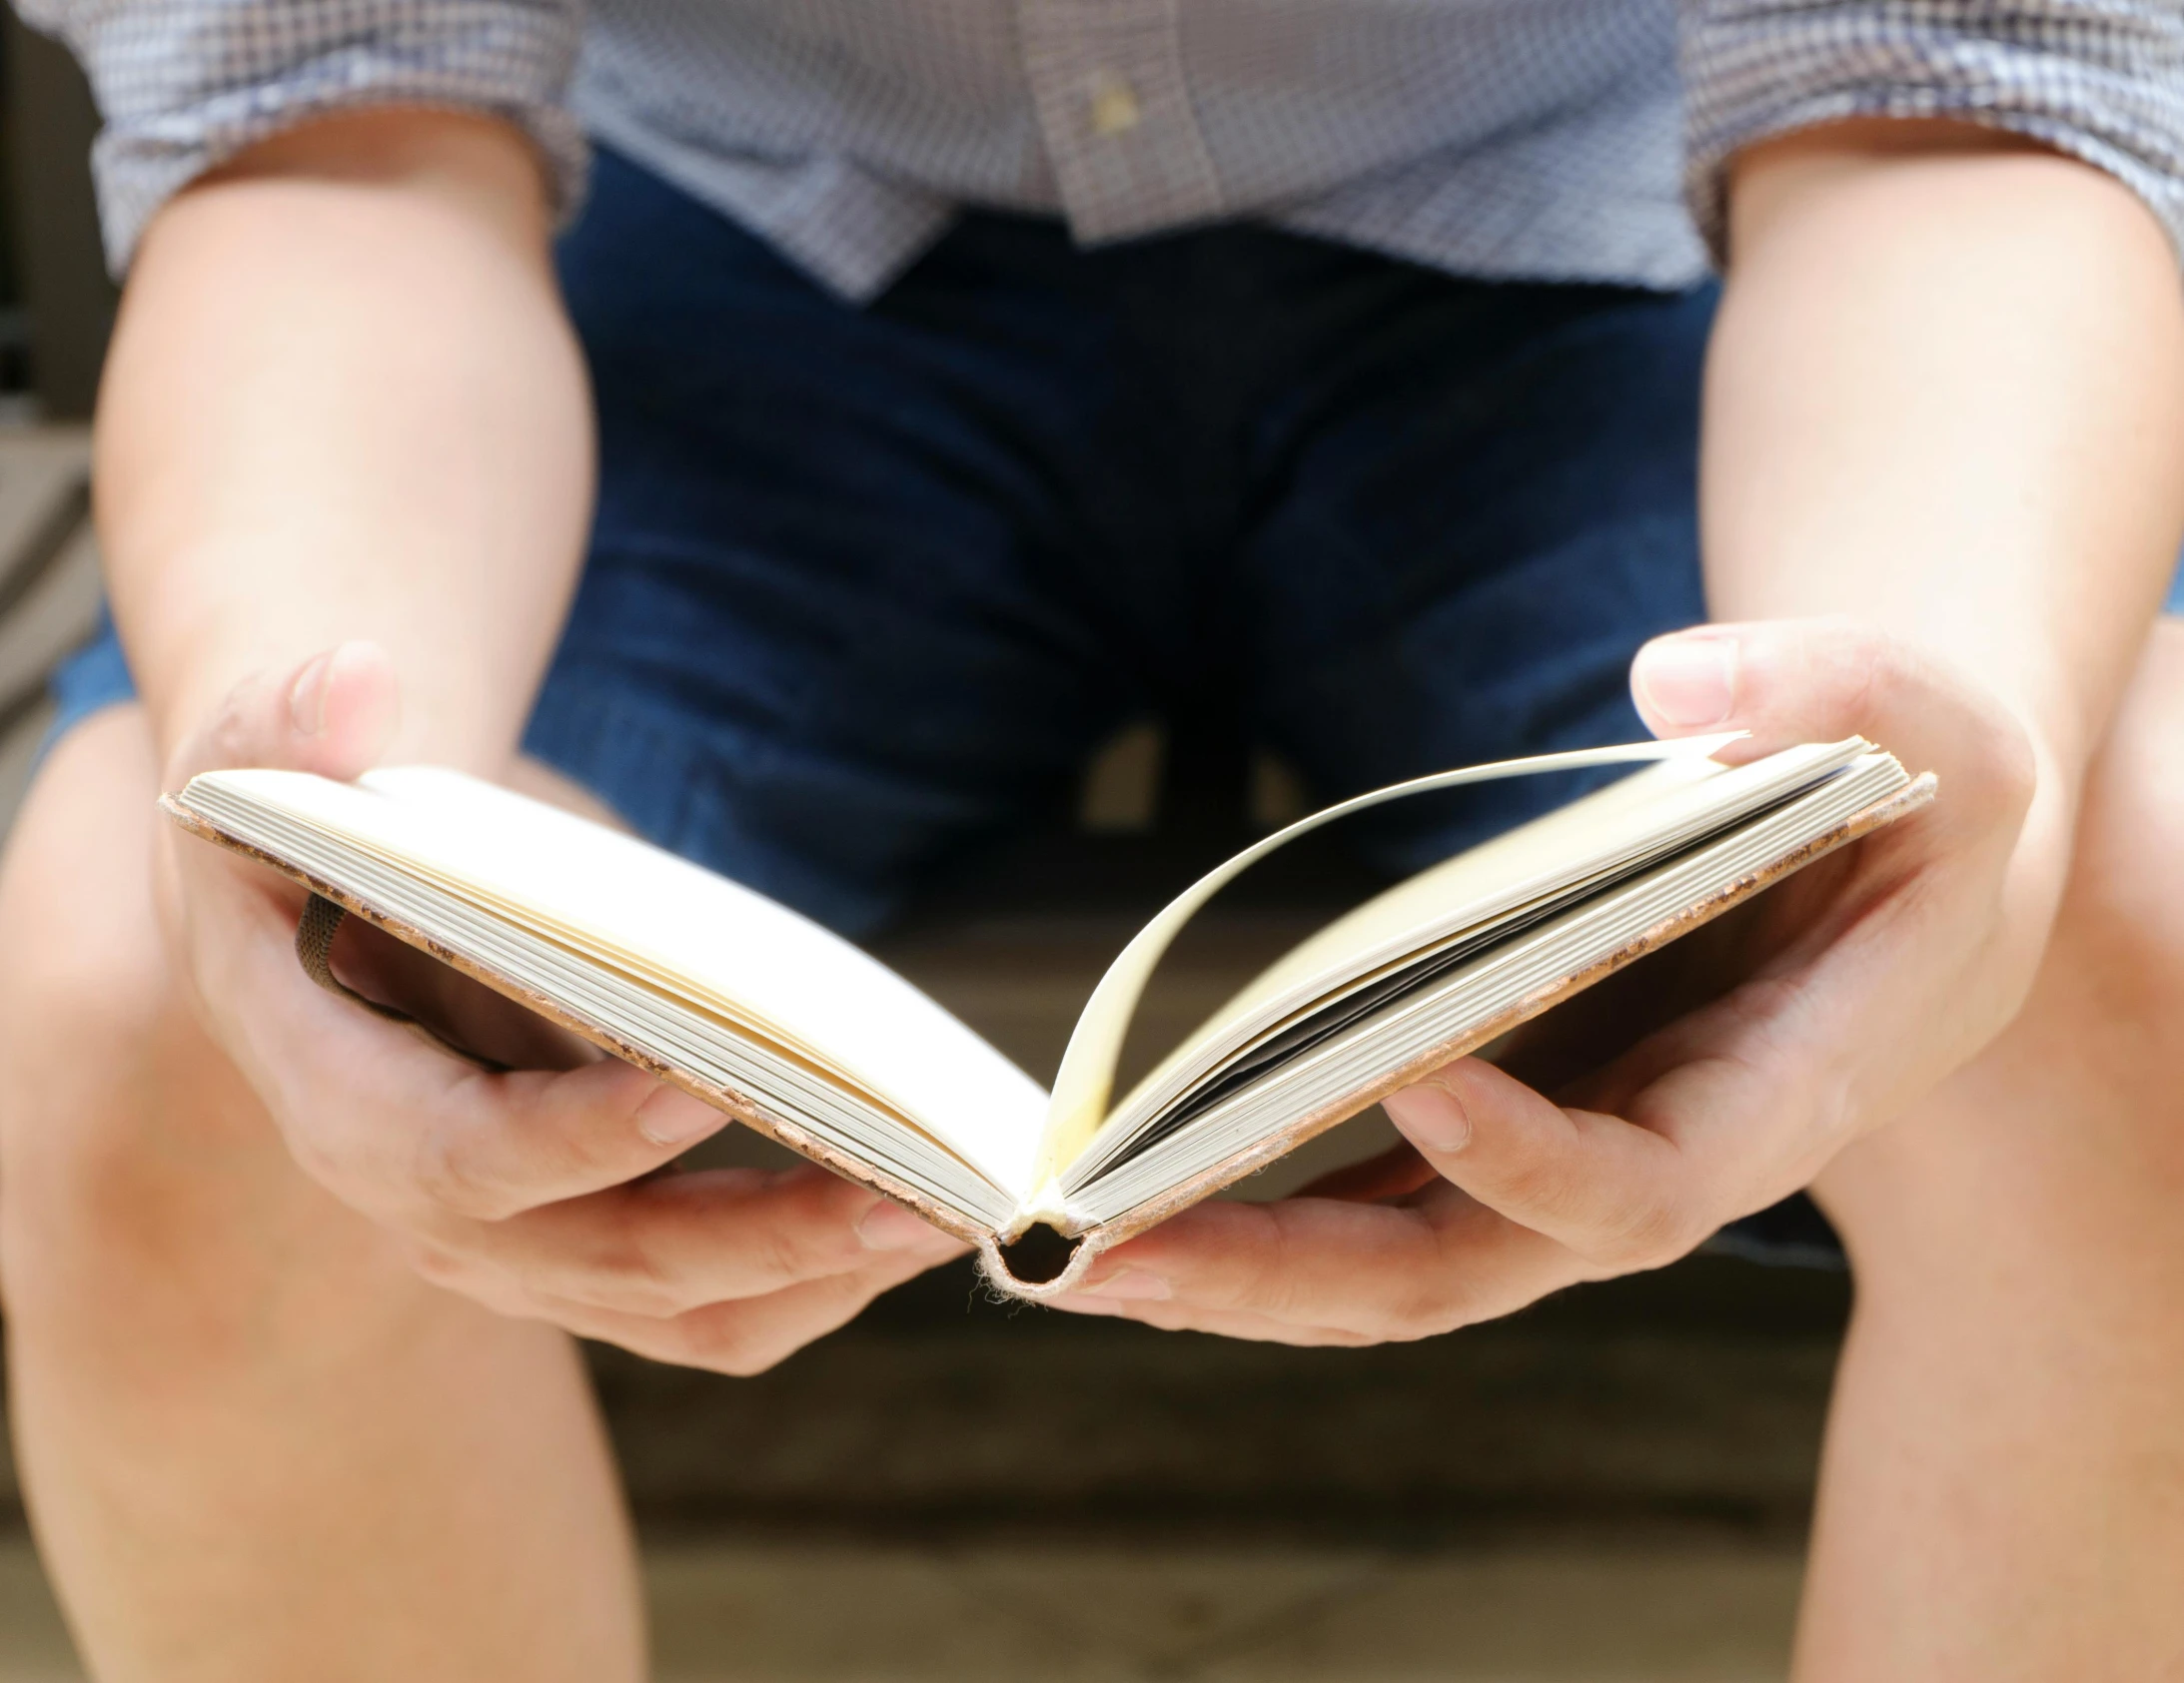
{"x": 867, "y": 586}
{"x": 95, "y": 676}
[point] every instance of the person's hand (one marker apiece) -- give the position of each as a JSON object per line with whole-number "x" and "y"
{"x": 1835, "y": 1001}
{"x": 533, "y": 1191}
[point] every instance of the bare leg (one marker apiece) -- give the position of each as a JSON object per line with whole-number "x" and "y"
{"x": 2003, "y": 1488}
{"x": 256, "y": 1446}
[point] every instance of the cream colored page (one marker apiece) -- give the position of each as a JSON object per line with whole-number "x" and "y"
{"x": 1420, "y": 913}
{"x": 1495, "y": 878}
{"x": 1085, "y": 1081}
{"x": 1460, "y": 890}
{"x": 719, "y": 944}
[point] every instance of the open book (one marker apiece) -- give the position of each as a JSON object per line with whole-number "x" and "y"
{"x": 799, "y": 1034}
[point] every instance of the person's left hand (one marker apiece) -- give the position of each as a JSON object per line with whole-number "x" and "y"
{"x": 1843, "y": 996}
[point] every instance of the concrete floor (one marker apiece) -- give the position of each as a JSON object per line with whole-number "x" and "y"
{"x": 1612, "y": 1488}
{"x": 724, "y": 1613}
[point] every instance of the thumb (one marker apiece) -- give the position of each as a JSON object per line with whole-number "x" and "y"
{"x": 335, "y": 714}
{"x": 1819, "y": 680}
{"x": 332, "y": 714}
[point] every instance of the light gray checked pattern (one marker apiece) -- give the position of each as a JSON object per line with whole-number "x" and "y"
{"x": 1549, "y": 139}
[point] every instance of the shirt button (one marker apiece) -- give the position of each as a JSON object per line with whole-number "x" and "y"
{"x": 1114, "y": 103}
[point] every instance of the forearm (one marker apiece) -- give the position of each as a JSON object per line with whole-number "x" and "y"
{"x": 343, "y": 402}
{"x": 1946, "y": 396}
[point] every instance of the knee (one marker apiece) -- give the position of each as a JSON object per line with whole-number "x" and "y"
{"x": 84, "y": 1021}
{"x": 118, "y": 1120}
{"x": 2118, "y": 946}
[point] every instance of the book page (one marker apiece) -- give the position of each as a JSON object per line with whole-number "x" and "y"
{"x": 1648, "y": 811}
{"x": 692, "y": 933}
{"x": 1085, "y": 1081}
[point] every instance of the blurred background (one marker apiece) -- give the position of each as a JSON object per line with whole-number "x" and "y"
{"x": 1611, "y": 1487}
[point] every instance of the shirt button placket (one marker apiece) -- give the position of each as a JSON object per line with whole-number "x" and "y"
{"x": 1107, "y": 78}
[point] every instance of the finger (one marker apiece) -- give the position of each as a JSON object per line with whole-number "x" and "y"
{"x": 1170, "y": 1317}
{"x": 1759, "y": 1090}
{"x": 406, "y": 1133}
{"x": 1436, "y": 1262}
{"x": 1808, "y": 680}
{"x": 514, "y": 1141}
{"x": 1390, "y": 1173}
{"x": 332, "y": 714}
{"x": 661, "y": 1248}
{"x": 1620, "y": 1195}
{"x": 742, "y": 1337}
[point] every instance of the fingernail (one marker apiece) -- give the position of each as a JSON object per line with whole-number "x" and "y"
{"x": 889, "y": 1227}
{"x": 672, "y": 1117}
{"x": 1432, "y": 1116}
{"x": 307, "y": 700}
{"x": 1130, "y": 1282}
{"x": 1689, "y": 680}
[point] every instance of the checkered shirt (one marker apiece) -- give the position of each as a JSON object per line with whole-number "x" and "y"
{"x": 1548, "y": 139}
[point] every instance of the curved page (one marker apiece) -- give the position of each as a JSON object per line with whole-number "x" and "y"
{"x": 1610, "y": 831}
{"x": 1085, "y": 1081}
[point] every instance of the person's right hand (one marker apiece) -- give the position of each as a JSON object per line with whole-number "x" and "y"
{"x": 532, "y": 1190}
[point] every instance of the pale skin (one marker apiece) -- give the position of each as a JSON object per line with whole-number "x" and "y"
{"x": 344, "y": 472}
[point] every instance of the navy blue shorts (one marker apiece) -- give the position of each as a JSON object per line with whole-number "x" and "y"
{"x": 869, "y": 586}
